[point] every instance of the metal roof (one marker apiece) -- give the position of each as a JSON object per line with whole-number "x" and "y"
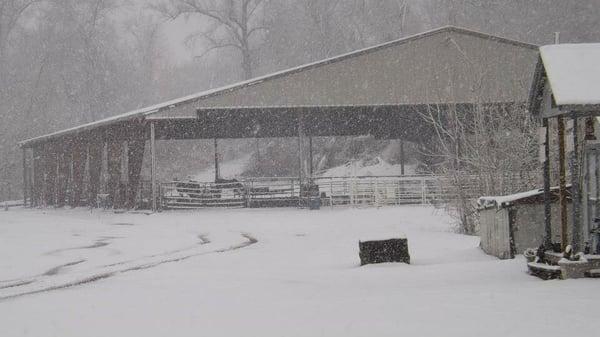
{"x": 164, "y": 107}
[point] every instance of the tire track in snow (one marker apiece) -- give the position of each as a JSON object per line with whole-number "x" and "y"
{"x": 250, "y": 240}
{"x": 25, "y": 281}
{"x": 203, "y": 241}
{"x": 101, "y": 242}
{"x": 56, "y": 270}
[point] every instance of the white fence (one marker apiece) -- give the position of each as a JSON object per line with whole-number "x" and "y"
{"x": 287, "y": 191}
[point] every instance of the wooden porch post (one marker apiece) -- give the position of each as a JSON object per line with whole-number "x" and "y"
{"x": 153, "y": 165}
{"x": 547, "y": 196}
{"x": 575, "y": 188}
{"x": 562, "y": 182}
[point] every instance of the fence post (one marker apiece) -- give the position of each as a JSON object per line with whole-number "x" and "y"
{"x": 377, "y": 198}
{"x": 331, "y": 192}
{"x": 423, "y": 188}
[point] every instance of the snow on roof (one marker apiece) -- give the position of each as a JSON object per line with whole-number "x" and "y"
{"x": 505, "y": 200}
{"x": 574, "y": 72}
{"x": 143, "y": 112}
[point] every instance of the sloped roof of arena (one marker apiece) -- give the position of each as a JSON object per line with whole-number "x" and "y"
{"x": 443, "y": 66}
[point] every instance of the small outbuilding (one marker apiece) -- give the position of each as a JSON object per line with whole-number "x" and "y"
{"x": 510, "y": 224}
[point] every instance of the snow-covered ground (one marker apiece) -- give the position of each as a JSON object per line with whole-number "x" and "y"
{"x": 364, "y": 168}
{"x": 268, "y": 272}
{"x": 227, "y": 169}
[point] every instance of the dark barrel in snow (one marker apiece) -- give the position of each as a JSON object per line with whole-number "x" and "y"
{"x": 392, "y": 249}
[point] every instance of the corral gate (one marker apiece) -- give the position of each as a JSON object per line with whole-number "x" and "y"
{"x": 286, "y": 192}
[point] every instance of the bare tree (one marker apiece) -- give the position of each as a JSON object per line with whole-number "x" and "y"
{"x": 11, "y": 11}
{"x": 233, "y": 24}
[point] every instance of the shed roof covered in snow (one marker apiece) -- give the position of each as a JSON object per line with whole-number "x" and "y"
{"x": 567, "y": 79}
{"x": 445, "y": 66}
{"x": 574, "y": 72}
{"x": 527, "y": 197}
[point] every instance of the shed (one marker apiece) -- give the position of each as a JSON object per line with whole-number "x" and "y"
{"x": 512, "y": 223}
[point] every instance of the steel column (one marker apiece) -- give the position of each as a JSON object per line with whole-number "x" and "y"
{"x": 25, "y": 180}
{"x": 153, "y": 165}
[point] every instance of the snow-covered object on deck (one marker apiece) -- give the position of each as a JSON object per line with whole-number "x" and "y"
{"x": 573, "y": 71}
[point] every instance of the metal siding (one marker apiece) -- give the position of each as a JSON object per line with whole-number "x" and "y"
{"x": 448, "y": 67}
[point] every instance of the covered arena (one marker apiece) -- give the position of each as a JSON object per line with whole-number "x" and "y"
{"x": 382, "y": 91}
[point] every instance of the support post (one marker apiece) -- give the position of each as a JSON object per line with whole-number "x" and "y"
{"x": 24, "y": 177}
{"x": 153, "y": 164}
{"x": 114, "y": 152}
{"x": 95, "y": 166}
{"x": 217, "y": 173}
{"x": 310, "y": 156}
{"x": 78, "y": 158}
{"x": 36, "y": 177}
{"x": 135, "y": 157}
{"x": 547, "y": 196}
{"x": 50, "y": 170}
{"x": 575, "y": 188}
{"x": 402, "y": 160}
{"x": 562, "y": 182}
{"x": 63, "y": 173}
{"x": 300, "y": 157}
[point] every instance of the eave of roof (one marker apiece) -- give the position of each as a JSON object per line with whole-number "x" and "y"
{"x": 144, "y": 112}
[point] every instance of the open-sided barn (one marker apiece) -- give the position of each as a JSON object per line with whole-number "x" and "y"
{"x": 378, "y": 91}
